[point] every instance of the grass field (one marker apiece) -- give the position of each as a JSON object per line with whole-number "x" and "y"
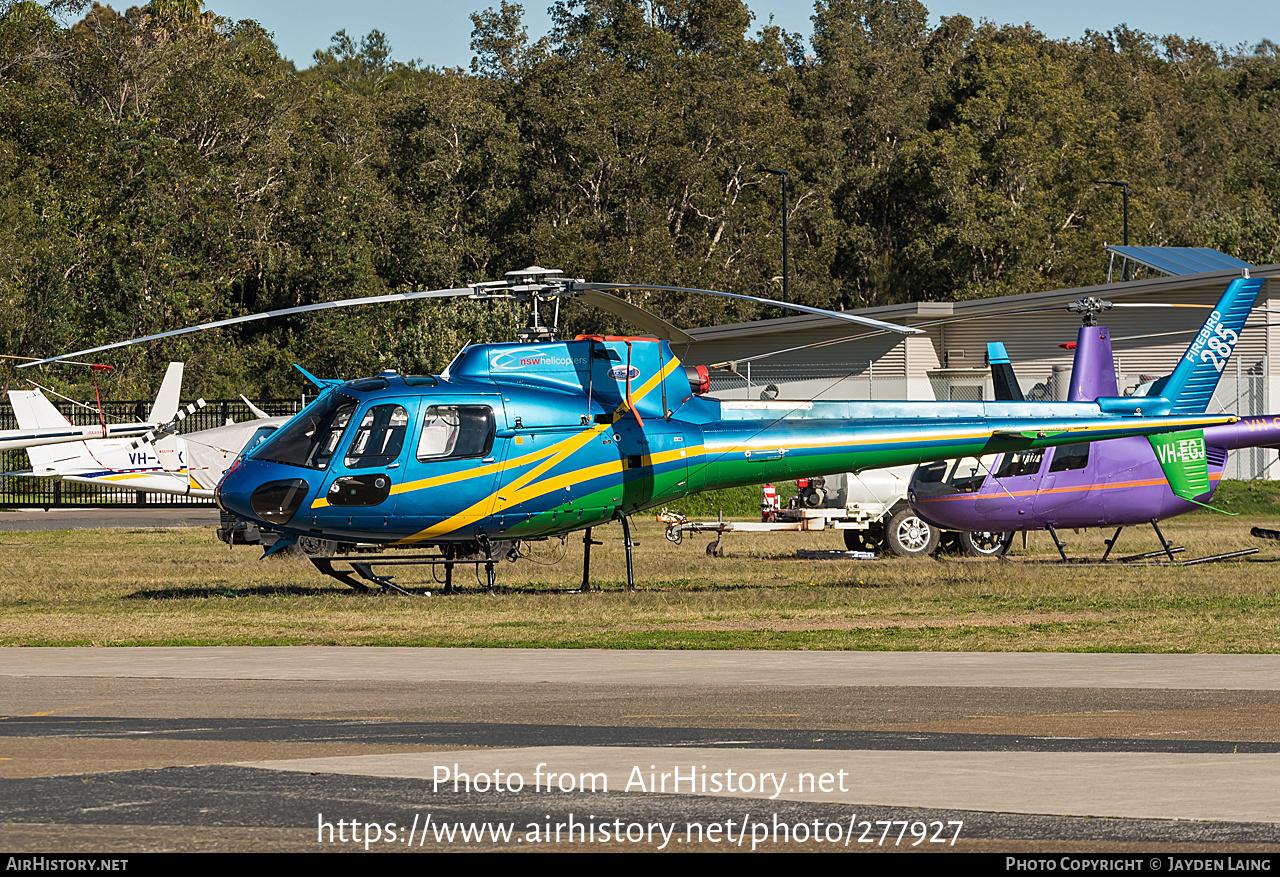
{"x": 180, "y": 587}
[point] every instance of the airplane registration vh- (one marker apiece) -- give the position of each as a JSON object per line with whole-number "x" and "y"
{"x": 516, "y": 442}
{"x": 166, "y": 463}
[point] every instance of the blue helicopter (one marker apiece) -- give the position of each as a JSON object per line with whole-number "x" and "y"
{"x": 520, "y": 442}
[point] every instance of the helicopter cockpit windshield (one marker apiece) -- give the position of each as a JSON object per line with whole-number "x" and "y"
{"x": 311, "y": 438}
{"x": 952, "y": 476}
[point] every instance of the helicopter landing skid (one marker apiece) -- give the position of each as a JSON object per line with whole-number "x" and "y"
{"x": 386, "y": 583}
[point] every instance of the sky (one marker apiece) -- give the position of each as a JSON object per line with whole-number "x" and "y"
{"x": 438, "y": 32}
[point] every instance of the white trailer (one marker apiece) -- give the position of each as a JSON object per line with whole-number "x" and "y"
{"x": 869, "y": 509}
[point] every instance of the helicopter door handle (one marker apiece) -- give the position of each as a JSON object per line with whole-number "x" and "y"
{"x": 488, "y": 460}
{"x": 394, "y": 466}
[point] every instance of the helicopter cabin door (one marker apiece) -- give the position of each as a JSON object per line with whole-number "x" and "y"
{"x": 1014, "y": 482}
{"x": 653, "y": 457}
{"x": 1068, "y": 481}
{"x": 412, "y": 467}
{"x": 454, "y": 462}
{"x": 367, "y": 466}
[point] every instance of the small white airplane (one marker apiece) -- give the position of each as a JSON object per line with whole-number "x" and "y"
{"x": 187, "y": 465}
{"x": 49, "y": 431}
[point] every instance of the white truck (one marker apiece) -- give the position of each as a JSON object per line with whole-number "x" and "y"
{"x": 869, "y": 509}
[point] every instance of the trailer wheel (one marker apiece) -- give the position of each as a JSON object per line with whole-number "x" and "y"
{"x": 908, "y": 536}
{"x": 986, "y": 543}
{"x": 715, "y": 549}
{"x": 870, "y": 539}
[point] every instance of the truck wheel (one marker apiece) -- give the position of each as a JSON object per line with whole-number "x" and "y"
{"x": 986, "y": 543}
{"x": 863, "y": 540}
{"x": 908, "y": 536}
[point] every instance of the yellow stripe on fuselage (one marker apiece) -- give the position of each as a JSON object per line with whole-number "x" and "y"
{"x": 133, "y": 476}
{"x": 522, "y": 489}
{"x": 713, "y": 448}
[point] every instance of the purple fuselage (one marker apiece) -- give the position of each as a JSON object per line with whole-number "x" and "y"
{"x": 1114, "y": 483}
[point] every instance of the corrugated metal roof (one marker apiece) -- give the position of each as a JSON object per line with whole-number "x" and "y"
{"x": 920, "y": 313}
{"x": 1180, "y": 261}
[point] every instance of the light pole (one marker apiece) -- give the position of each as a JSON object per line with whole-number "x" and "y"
{"x": 786, "y": 292}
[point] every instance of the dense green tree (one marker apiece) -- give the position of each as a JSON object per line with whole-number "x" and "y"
{"x": 162, "y": 166}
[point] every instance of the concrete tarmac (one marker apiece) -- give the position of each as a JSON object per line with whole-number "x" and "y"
{"x": 123, "y": 749}
{"x": 129, "y": 517}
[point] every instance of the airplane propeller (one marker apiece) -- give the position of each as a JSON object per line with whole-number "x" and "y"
{"x": 170, "y": 428}
{"x": 532, "y": 286}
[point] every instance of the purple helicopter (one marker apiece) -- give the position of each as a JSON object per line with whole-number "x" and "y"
{"x": 1103, "y": 484}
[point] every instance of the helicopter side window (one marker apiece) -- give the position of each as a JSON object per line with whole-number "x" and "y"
{"x": 1021, "y": 463}
{"x": 310, "y": 438}
{"x": 969, "y": 473}
{"x": 456, "y": 431}
{"x": 380, "y": 437}
{"x": 1068, "y": 458}
{"x": 931, "y": 473}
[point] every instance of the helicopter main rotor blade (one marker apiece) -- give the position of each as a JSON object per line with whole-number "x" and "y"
{"x": 282, "y": 312}
{"x": 836, "y": 315}
{"x": 646, "y": 320}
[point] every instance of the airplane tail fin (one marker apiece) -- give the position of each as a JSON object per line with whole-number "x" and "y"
{"x": 33, "y": 411}
{"x": 257, "y": 412}
{"x": 1004, "y": 381}
{"x": 166, "y": 404}
{"x": 1192, "y": 383}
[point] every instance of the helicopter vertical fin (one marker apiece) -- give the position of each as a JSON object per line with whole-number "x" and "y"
{"x": 1004, "y": 381}
{"x": 33, "y": 411}
{"x": 1192, "y": 383}
{"x": 166, "y": 404}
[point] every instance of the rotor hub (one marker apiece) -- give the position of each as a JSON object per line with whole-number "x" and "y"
{"x": 1089, "y": 308}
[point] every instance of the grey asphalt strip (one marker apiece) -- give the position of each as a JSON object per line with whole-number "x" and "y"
{"x": 491, "y": 734}
{"x": 1167, "y": 749}
{"x": 237, "y": 796}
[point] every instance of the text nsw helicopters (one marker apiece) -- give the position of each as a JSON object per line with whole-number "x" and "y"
{"x": 537, "y": 440}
